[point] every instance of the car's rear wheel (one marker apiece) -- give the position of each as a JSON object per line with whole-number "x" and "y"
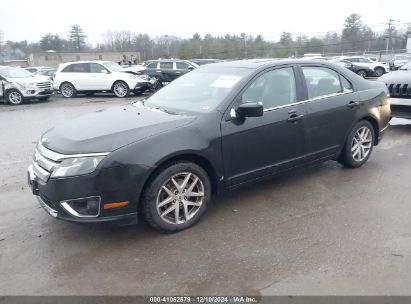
{"x": 68, "y": 90}
{"x": 177, "y": 197}
{"x": 358, "y": 146}
{"x": 121, "y": 89}
{"x": 14, "y": 97}
{"x": 362, "y": 73}
{"x": 379, "y": 71}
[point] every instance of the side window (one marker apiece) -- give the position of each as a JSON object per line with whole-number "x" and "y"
{"x": 96, "y": 68}
{"x": 181, "y": 65}
{"x": 346, "y": 85}
{"x": 274, "y": 89}
{"x": 68, "y": 69}
{"x": 321, "y": 81}
{"x": 353, "y": 59}
{"x": 152, "y": 65}
{"x": 80, "y": 68}
{"x": 363, "y": 60}
{"x": 166, "y": 65}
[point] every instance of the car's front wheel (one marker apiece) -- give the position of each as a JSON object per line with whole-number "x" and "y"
{"x": 177, "y": 197}
{"x": 121, "y": 89}
{"x": 358, "y": 146}
{"x": 68, "y": 90}
{"x": 379, "y": 72}
{"x": 14, "y": 97}
{"x": 362, "y": 73}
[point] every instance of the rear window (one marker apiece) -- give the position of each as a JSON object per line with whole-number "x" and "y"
{"x": 76, "y": 68}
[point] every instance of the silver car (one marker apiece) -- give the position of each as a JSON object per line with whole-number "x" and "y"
{"x": 18, "y": 85}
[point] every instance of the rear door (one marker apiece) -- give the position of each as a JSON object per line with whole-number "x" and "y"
{"x": 167, "y": 72}
{"x": 77, "y": 74}
{"x": 255, "y": 147}
{"x": 331, "y": 111}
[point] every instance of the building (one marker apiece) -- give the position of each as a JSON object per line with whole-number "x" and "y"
{"x": 53, "y": 59}
{"x": 15, "y": 63}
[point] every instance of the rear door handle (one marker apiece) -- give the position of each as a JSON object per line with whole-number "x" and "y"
{"x": 294, "y": 118}
{"x": 353, "y": 104}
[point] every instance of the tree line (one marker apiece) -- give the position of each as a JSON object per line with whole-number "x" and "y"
{"x": 355, "y": 36}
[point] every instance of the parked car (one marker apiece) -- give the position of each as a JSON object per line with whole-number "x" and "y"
{"x": 49, "y": 73}
{"x": 380, "y": 68}
{"x": 359, "y": 70}
{"x": 205, "y": 61}
{"x": 399, "y": 86}
{"x": 398, "y": 61}
{"x": 18, "y": 85}
{"x": 213, "y": 129}
{"x": 166, "y": 70}
{"x": 89, "y": 77}
{"x": 36, "y": 70}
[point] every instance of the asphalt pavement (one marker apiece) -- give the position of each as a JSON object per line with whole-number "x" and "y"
{"x": 322, "y": 230}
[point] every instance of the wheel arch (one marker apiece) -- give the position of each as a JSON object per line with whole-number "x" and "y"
{"x": 61, "y": 84}
{"x": 373, "y": 121}
{"x": 197, "y": 159}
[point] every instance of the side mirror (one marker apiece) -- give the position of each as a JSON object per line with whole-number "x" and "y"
{"x": 190, "y": 68}
{"x": 250, "y": 109}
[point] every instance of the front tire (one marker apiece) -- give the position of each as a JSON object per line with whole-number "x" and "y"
{"x": 121, "y": 89}
{"x": 177, "y": 197}
{"x": 358, "y": 146}
{"x": 67, "y": 90}
{"x": 379, "y": 72}
{"x": 14, "y": 97}
{"x": 362, "y": 73}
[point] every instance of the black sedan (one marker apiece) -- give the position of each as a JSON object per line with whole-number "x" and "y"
{"x": 213, "y": 129}
{"x": 359, "y": 70}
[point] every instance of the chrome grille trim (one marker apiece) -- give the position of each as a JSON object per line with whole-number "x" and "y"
{"x": 58, "y": 157}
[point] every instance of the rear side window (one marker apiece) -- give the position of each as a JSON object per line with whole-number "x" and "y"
{"x": 321, "y": 81}
{"x": 166, "y": 65}
{"x": 152, "y": 65}
{"x": 77, "y": 68}
{"x": 181, "y": 65}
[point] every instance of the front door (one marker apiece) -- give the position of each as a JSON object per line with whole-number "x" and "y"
{"x": 99, "y": 77}
{"x": 254, "y": 147}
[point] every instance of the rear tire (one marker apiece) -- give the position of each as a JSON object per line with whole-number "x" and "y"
{"x": 67, "y": 90}
{"x": 121, "y": 89}
{"x": 14, "y": 97}
{"x": 177, "y": 197}
{"x": 358, "y": 146}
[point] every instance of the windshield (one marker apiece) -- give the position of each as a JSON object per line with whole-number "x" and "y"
{"x": 406, "y": 66}
{"x": 10, "y": 72}
{"x": 201, "y": 90}
{"x": 114, "y": 67}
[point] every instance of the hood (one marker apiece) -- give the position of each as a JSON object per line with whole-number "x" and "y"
{"x": 110, "y": 129}
{"x": 34, "y": 79}
{"x": 397, "y": 77}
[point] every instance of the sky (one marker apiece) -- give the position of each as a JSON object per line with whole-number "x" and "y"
{"x": 30, "y": 20}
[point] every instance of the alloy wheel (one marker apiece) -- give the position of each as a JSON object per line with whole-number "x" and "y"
{"x": 379, "y": 72}
{"x": 180, "y": 198}
{"x": 361, "y": 144}
{"x": 363, "y": 74}
{"x": 67, "y": 90}
{"x": 15, "y": 97}
{"x": 120, "y": 89}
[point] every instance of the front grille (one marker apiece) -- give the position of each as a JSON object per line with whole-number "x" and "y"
{"x": 44, "y": 85}
{"x": 399, "y": 90}
{"x": 43, "y": 164}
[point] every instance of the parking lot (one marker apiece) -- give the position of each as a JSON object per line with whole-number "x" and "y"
{"x": 315, "y": 231}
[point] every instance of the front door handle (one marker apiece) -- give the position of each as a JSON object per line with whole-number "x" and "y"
{"x": 294, "y": 118}
{"x": 353, "y": 104}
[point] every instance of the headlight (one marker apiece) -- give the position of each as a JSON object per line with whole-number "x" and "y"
{"x": 77, "y": 166}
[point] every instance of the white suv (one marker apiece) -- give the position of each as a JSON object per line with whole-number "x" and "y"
{"x": 379, "y": 68}
{"x": 88, "y": 77}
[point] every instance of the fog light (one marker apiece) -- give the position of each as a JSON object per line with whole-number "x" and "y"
{"x": 83, "y": 207}
{"x": 31, "y": 92}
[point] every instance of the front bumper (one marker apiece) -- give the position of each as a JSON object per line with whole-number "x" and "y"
{"x": 143, "y": 86}
{"x": 109, "y": 185}
{"x": 401, "y": 107}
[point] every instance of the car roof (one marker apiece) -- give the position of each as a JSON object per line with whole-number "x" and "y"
{"x": 258, "y": 63}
